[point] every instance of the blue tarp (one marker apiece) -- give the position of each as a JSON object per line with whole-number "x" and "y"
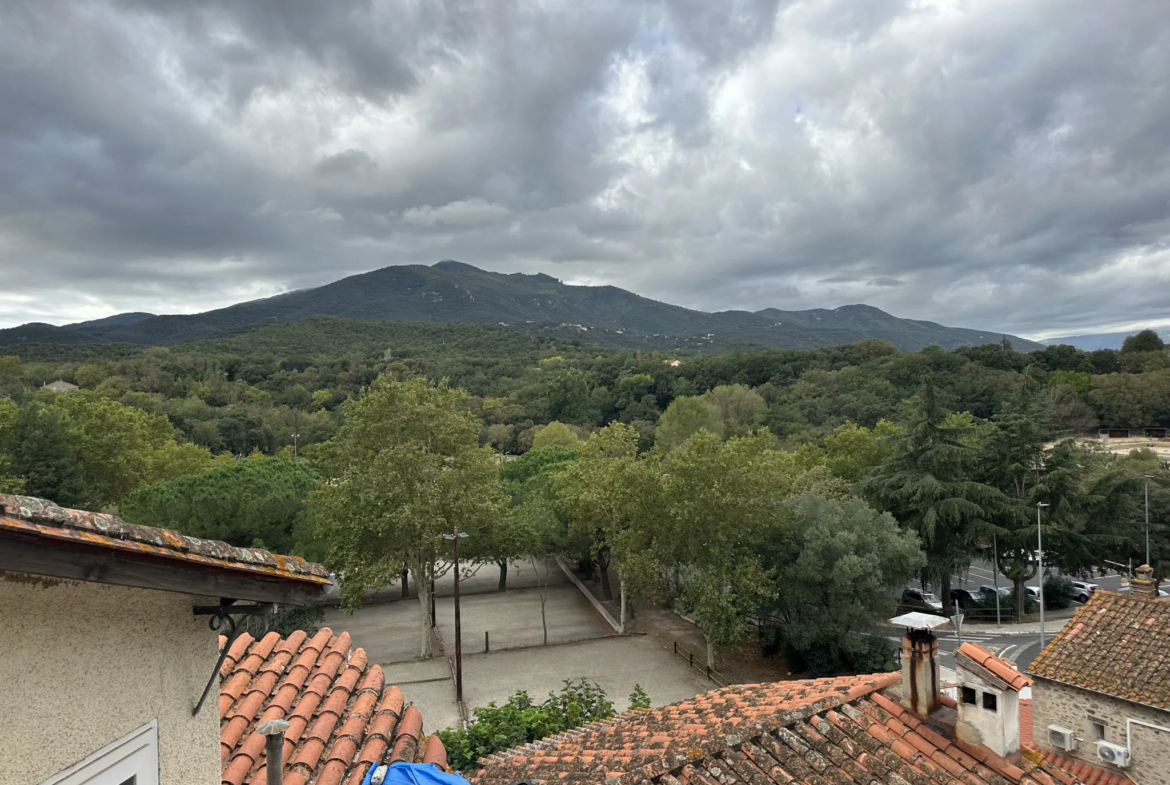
{"x": 402, "y": 773}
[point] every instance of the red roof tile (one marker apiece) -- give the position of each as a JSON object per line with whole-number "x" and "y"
{"x": 822, "y": 732}
{"x": 42, "y": 520}
{"x": 1114, "y": 644}
{"x": 978, "y": 660}
{"x": 342, "y": 715}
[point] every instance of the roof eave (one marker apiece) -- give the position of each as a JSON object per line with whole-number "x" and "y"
{"x": 143, "y": 569}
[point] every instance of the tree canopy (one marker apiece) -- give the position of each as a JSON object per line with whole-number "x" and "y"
{"x": 405, "y": 470}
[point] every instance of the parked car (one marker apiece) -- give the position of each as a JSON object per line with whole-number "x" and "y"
{"x": 962, "y": 597}
{"x": 988, "y": 589}
{"x": 920, "y": 600}
{"x": 1084, "y": 590}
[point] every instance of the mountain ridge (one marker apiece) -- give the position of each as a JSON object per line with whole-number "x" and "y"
{"x": 457, "y": 292}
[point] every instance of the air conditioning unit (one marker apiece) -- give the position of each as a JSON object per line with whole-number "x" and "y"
{"x": 1062, "y": 738}
{"x": 1113, "y": 753}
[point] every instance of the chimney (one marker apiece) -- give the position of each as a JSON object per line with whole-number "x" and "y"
{"x": 920, "y": 668}
{"x": 1143, "y": 586}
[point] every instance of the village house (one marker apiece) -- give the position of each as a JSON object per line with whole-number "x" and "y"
{"x": 895, "y": 728}
{"x": 1101, "y": 691}
{"x": 120, "y": 664}
{"x": 60, "y": 385}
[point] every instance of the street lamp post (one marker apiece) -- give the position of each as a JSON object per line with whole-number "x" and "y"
{"x": 1040, "y": 569}
{"x": 295, "y": 435}
{"x": 455, "y": 538}
{"x": 995, "y": 575}
{"x": 1148, "y": 478}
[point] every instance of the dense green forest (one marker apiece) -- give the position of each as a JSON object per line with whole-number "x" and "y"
{"x": 360, "y": 444}
{"x": 253, "y": 391}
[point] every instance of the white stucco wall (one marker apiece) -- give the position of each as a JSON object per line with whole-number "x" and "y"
{"x": 1000, "y": 729}
{"x": 82, "y": 664}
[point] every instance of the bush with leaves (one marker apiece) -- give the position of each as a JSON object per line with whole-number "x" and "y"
{"x": 520, "y": 721}
{"x": 1058, "y": 592}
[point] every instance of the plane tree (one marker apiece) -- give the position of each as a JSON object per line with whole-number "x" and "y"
{"x": 404, "y": 470}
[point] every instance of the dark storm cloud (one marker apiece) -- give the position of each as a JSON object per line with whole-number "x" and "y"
{"x": 999, "y": 164}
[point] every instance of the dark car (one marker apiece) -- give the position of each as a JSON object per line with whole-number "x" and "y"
{"x": 962, "y": 597}
{"x": 919, "y": 600}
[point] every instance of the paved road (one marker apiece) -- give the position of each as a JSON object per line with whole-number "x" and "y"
{"x": 981, "y": 573}
{"x": 1020, "y": 649}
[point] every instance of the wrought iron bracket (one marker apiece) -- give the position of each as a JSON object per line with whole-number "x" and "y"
{"x": 222, "y": 617}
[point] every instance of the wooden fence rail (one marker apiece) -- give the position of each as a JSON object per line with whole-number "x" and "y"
{"x": 704, "y": 669}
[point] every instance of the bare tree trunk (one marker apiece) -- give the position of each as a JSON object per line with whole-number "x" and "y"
{"x": 710, "y": 653}
{"x": 945, "y": 590}
{"x": 419, "y": 568}
{"x": 542, "y": 590}
{"x": 503, "y": 575}
{"x": 1021, "y": 598}
{"x": 405, "y": 583}
{"x": 622, "y": 625}
{"x": 603, "y": 569}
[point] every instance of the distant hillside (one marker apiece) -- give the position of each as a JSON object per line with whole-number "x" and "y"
{"x": 1095, "y": 341}
{"x": 455, "y": 292}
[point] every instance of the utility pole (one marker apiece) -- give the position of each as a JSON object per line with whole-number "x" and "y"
{"x": 1040, "y": 569}
{"x": 455, "y": 538}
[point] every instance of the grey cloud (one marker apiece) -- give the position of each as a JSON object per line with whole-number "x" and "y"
{"x": 998, "y": 166}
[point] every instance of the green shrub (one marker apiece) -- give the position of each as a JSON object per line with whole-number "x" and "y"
{"x": 520, "y": 721}
{"x": 1058, "y": 592}
{"x": 639, "y": 699}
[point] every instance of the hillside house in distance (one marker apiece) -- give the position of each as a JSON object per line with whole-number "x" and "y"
{"x": 107, "y": 648}
{"x": 60, "y": 386}
{"x": 1101, "y": 690}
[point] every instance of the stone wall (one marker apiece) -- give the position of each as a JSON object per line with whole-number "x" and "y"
{"x": 1058, "y": 704}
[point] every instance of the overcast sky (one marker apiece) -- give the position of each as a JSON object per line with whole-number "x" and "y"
{"x": 1002, "y": 164}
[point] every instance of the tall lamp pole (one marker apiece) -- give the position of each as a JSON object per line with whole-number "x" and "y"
{"x": 1148, "y": 478}
{"x": 995, "y": 576}
{"x": 455, "y": 538}
{"x": 1040, "y": 569}
{"x": 295, "y": 435}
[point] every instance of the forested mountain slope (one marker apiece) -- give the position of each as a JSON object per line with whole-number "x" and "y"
{"x": 455, "y": 292}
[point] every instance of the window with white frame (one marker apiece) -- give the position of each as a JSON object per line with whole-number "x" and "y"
{"x": 131, "y": 760}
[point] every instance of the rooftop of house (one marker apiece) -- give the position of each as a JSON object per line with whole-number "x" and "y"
{"x": 1116, "y": 645}
{"x": 60, "y": 385}
{"x": 818, "y": 731}
{"x": 41, "y": 538}
{"x": 342, "y": 715}
{"x": 992, "y": 669}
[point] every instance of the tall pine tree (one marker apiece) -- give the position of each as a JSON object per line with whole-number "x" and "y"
{"x": 928, "y": 485}
{"x": 41, "y": 455}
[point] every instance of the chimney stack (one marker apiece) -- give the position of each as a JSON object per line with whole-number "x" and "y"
{"x": 920, "y": 667}
{"x": 1143, "y": 586}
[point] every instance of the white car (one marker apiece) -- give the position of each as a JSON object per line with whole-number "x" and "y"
{"x": 1083, "y": 590}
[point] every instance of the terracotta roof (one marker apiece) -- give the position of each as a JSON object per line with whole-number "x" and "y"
{"x": 1082, "y": 770}
{"x": 1116, "y": 645}
{"x": 821, "y": 732}
{"x": 42, "y": 520}
{"x": 993, "y": 669}
{"x": 342, "y": 715}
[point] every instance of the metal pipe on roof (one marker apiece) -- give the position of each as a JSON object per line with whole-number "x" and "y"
{"x": 273, "y": 730}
